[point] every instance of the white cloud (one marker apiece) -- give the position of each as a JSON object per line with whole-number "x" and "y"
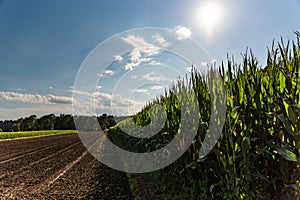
{"x": 136, "y": 62}
{"x": 100, "y": 102}
{"x": 24, "y": 98}
{"x": 141, "y": 52}
{"x": 35, "y": 98}
{"x": 98, "y": 87}
{"x": 90, "y": 95}
{"x": 154, "y": 77}
{"x": 160, "y": 40}
{"x": 109, "y": 72}
{"x": 154, "y": 62}
{"x": 118, "y": 58}
{"x": 151, "y": 76}
{"x": 51, "y": 88}
{"x": 135, "y": 55}
{"x": 142, "y": 91}
{"x": 103, "y": 95}
{"x": 59, "y": 99}
{"x": 137, "y": 42}
{"x": 127, "y": 107}
{"x": 106, "y": 72}
{"x": 80, "y": 92}
{"x": 183, "y": 32}
{"x": 157, "y": 87}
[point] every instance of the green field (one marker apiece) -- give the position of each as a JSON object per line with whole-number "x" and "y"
{"x": 25, "y": 134}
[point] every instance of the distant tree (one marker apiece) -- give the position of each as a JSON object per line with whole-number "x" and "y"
{"x": 19, "y": 122}
{"x": 86, "y": 123}
{"x": 4, "y": 126}
{"x": 106, "y": 121}
{"x": 111, "y": 120}
{"x": 69, "y": 120}
{"x": 29, "y": 123}
{"x": 8, "y": 125}
{"x": 46, "y": 122}
{"x": 14, "y": 126}
{"x": 64, "y": 122}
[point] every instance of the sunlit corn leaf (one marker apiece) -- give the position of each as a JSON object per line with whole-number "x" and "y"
{"x": 286, "y": 154}
{"x": 287, "y": 125}
{"x": 234, "y": 112}
{"x": 270, "y": 114}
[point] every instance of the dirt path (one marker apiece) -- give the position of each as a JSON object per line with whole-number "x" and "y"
{"x": 56, "y": 167}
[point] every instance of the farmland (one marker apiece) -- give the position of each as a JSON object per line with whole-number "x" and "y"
{"x": 257, "y": 155}
{"x": 56, "y": 167}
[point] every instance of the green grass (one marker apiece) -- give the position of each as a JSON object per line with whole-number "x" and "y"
{"x": 26, "y": 134}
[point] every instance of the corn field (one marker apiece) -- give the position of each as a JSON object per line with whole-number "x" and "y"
{"x": 258, "y": 153}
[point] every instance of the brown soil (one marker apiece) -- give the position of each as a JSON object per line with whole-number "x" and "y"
{"x": 56, "y": 167}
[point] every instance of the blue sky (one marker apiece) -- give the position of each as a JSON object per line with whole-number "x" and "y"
{"x": 43, "y": 43}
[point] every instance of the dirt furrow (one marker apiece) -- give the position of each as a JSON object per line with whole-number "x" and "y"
{"x": 27, "y": 180}
{"x": 13, "y": 154}
{"x": 28, "y": 154}
{"x": 15, "y": 148}
{"x": 24, "y": 167}
{"x": 57, "y": 175}
{"x": 60, "y": 167}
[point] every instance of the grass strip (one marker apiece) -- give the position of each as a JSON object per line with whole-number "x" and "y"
{"x": 26, "y": 134}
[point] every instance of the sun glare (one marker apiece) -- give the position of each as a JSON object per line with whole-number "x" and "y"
{"x": 210, "y": 15}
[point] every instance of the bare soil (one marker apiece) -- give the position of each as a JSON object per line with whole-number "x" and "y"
{"x": 56, "y": 167}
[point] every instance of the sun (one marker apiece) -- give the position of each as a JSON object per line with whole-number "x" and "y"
{"x": 210, "y": 15}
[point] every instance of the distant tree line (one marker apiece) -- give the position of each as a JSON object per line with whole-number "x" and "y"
{"x": 52, "y": 122}
{"x": 87, "y": 123}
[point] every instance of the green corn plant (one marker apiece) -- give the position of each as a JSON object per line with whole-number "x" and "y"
{"x": 260, "y": 142}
